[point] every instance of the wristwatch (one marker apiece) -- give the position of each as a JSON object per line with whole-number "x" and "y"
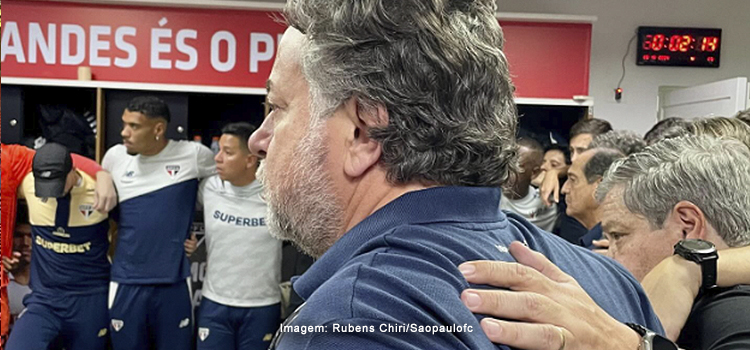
{"x": 702, "y": 253}
{"x": 651, "y": 340}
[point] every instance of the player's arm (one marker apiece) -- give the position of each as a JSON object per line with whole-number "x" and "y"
{"x": 550, "y": 189}
{"x": 675, "y": 282}
{"x": 205, "y": 161}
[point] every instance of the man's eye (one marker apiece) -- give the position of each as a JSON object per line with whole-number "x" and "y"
{"x": 615, "y": 236}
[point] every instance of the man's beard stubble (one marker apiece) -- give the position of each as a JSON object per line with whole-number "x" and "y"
{"x": 302, "y": 205}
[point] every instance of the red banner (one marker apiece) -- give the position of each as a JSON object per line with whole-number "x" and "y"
{"x": 233, "y": 48}
{"x": 139, "y": 44}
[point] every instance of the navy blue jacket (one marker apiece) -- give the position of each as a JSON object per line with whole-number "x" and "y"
{"x": 398, "y": 267}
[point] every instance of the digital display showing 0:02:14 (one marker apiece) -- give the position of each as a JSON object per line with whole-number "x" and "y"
{"x": 680, "y": 43}
{"x": 691, "y": 47}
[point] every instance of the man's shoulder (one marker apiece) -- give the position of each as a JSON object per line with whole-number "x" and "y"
{"x": 115, "y": 153}
{"x": 210, "y": 184}
{"x": 190, "y": 147}
{"x": 719, "y": 319}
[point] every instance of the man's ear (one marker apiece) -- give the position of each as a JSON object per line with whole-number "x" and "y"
{"x": 363, "y": 152}
{"x": 160, "y": 128}
{"x": 690, "y": 220}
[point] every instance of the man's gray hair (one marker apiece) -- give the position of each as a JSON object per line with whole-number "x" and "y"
{"x": 713, "y": 174}
{"x": 436, "y": 66}
{"x": 627, "y": 142}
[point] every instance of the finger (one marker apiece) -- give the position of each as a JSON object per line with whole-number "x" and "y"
{"x": 526, "y": 336}
{"x": 17, "y": 254}
{"x": 193, "y": 237}
{"x": 604, "y": 252}
{"x": 522, "y": 306}
{"x": 601, "y": 243}
{"x": 537, "y": 261}
{"x": 503, "y": 274}
{"x": 556, "y": 191}
{"x": 546, "y": 195}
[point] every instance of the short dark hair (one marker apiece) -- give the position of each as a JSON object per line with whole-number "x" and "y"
{"x": 150, "y": 106}
{"x": 744, "y": 116}
{"x": 627, "y": 142}
{"x": 535, "y": 147}
{"x": 558, "y": 147}
{"x": 600, "y": 162}
{"x": 666, "y": 129}
{"x": 590, "y": 126}
{"x": 22, "y": 213}
{"x": 241, "y": 130}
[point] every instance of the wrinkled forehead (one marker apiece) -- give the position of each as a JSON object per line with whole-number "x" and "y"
{"x": 286, "y": 73}
{"x": 614, "y": 215}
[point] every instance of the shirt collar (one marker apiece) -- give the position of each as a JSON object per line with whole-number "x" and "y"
{"x": 438, "y": 204}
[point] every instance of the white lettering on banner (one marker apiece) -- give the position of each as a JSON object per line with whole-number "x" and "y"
{"x": 108, "y": 46}
{"x": 257, "y": 56}
{"x": 125, "y": 46}
{"x": 96, "y": 45}
{"x": 216, "y": 40}
{"x": 157, "y": 47}
{"x": 10, "y": 33}
{"x": 188, "y": 50}
{"x": 66, "y": 58}
{"x": 47, "y": 46}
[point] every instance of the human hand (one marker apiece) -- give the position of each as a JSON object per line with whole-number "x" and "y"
{"x": 191, "y": 245}
{"x": 550, "y": 188}
{"x": 13, "y": 262}
{"x": 105, "y": 194}
{"x": 601, "y": 246}
{"x": 546, "y": 309}
{"x": 672, "y": 286}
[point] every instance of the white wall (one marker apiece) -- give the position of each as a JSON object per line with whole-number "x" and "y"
{"x": 617, "y": 22}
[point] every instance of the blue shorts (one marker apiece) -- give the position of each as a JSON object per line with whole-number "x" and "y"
{"x": 71, "y": 321}
{"x": 222, "y": 327}
{"x": 158, "y": 317}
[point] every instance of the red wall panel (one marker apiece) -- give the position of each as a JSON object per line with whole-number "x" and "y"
{"x": 548, "y": 60}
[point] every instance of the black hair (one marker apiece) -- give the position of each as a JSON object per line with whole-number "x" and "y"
{"x": 558, "y": 147}
{"x": 666, "y": 129}
{"x": 22, "y": 213}
{"x": 590, "y": 126}
{"x": 600, "y": 162}
{"x": 744, "y": 116}
{"x": 150, "y": 106}
{"x": 241, "y": 130}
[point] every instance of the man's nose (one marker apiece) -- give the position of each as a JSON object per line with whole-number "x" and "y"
{"x": 261, "y": 138}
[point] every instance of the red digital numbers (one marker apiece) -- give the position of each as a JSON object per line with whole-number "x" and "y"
{"x": 658, "y": 42}
{"x": 709, "y": 44}
{"x": 668, "y": 46}
{"x": 675, "y": 43}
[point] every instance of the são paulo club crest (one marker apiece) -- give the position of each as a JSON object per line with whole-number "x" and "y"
{"x": 117, "y": 325}
{"x": 203, "y": 333}
{"x": 172, "y": 170}
{"x": 86, "y": 210}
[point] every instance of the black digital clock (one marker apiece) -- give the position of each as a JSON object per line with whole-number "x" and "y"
{"x": 686, "y": 47}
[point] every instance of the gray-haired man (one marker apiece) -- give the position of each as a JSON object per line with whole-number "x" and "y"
{"x": 392, "y": 129}
{"x": 695, "y": 188}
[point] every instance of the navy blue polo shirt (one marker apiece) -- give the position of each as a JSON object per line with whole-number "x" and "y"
{"x": 392, "y": 281}
{"x": 587, "y": 240}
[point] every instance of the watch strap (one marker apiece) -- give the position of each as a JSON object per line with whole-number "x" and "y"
{"x": 651, "y": 340}
{"x": 708, "y": 274}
